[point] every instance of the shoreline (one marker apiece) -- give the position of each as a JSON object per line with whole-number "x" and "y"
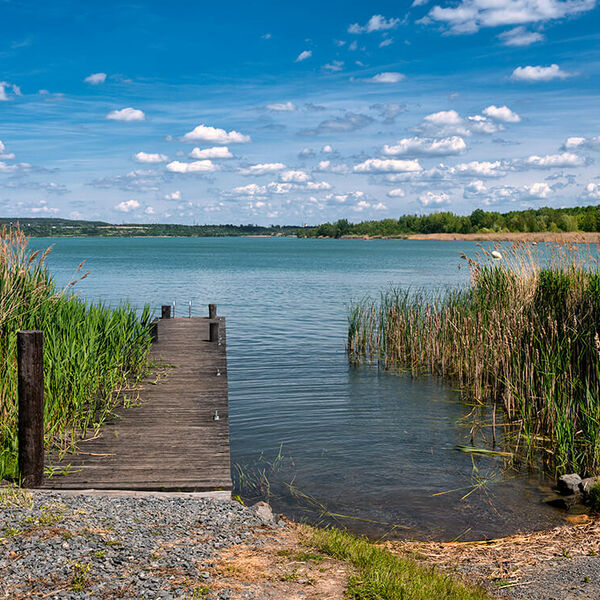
{"x": 181, "y": 547}
{"x": 571, "y": 237}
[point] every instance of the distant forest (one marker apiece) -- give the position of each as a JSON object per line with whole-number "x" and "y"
{"x": 579, "y": 218}
{"x": 48, "y": 227}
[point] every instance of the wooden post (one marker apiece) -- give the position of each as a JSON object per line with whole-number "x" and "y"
{"x": 214, "y": 331}
{"x": 212, "y": 311}
{"x": 166, "y": 311}
{"x": 30, "y": 367}
{"x": 154, "y": 331}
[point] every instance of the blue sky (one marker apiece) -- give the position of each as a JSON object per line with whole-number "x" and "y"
{"x": 271, "y": 112}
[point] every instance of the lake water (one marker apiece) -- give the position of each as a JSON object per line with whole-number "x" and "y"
{"x": 363, "y": 448}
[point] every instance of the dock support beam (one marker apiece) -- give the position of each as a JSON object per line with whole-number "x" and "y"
{"x": 30, "y": 365}
{"x": 212, "y": 311}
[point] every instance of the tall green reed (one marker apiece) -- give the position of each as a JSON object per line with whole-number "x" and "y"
{"x": 524, "y": 335}
{"x": 91, "y": 351}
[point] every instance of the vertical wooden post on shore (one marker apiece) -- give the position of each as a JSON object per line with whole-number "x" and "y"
{"x": 214, "y": 331}
{"x": 212, "y": 311}
{"x": 154, "y": 331}
{"x": 166, "y": 311}
{"x": 30, "y": 365}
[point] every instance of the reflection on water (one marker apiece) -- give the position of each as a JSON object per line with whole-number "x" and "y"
{"x": 372, "y": 446}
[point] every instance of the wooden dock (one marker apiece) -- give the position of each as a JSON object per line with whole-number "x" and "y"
{"x": 171, "y": 439}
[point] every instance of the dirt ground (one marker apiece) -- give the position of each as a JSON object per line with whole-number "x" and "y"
{"x": 560, "y": 564}
{"x": 281, "y": 568}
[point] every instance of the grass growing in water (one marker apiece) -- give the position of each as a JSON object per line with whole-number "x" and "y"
{"x": 90, "y": 351}
{"x": 524, "y": 334}
{"x": 382, "y": 575}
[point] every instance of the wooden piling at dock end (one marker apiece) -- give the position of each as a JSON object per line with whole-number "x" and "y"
{"x": 30, "y": 373}
{"x": 169, "y": 442}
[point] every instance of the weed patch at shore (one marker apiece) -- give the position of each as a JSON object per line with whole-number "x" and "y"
{"x": 385, "y": 576}
{"x": 524, "y": 336}
{"x": 91, "y": 351}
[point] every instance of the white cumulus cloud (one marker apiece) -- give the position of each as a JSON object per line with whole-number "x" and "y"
{"x": 303, "y": 55}
{"x": 396, "y": 193}
{"x": 96, "y": 78}
{"x": 388, "y": 77}
{"x": 145, "y": 157}
{"x": 565, "y": 159}
{"x": 539, "y": 73}
{"x": 480, "y": 169}
{"x": 214, "y": 152}
{"x": 419, "y": 146}
{"x": 176, "y": 195}
{"x": 214, "y": 135}
{"x": 252, "y": 189}
{"x": 375, "y": 23}
{"x": 582, "y": 143}
{"x": 468, "y": 16}
{"x": 282, "y": 106}
{"x": 519, "y": 36}
{"x": 294, "y": 176}
{"x": 127, "y": 206}
{"x": 475, "y": 188}
{"x": 263, "y": 168}
{"x": 377, "y": 165}
{"x": 126, "y": 114}
{"x": 592, "y": 191}
{"x": 433, "y": 198}
{"x": 538, "y": 190}
{"x": 6, "y": 88}
{"x": 501, "y": 113}
{"x": 197, "y": 166}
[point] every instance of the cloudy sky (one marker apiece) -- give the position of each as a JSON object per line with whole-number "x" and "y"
{"x": 276, "y": 112}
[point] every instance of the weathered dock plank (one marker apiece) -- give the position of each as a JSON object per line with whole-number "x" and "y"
{"x": 168, "y": 440}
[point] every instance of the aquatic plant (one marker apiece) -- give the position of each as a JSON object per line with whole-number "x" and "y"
{"x": 90, "y": 350}
{"x": 524, "y": 335}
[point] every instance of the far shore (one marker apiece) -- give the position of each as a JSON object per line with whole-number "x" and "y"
{"x": 572, "y": 237}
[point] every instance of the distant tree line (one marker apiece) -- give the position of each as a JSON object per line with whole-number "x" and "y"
{"x": 579, "y": 218}
{"x": 48, "y": 227}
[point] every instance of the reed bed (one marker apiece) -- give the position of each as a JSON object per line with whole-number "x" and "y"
{"x": 91, "y": 351}
{"x": 523, "y": 335}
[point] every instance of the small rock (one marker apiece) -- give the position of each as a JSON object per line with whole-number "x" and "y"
{"x": 263, "y": 512}
{"x": 565, "y": 502}
{"x": 585, "y": 485}
{"x": 569, "y": 484}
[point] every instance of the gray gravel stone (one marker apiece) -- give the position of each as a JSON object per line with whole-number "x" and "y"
{"x": 117, "y": 547}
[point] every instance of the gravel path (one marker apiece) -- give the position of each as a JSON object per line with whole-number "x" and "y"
{"x": 54, "y": 546}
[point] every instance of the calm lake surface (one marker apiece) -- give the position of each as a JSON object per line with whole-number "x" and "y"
{"x": 373, "y": 449}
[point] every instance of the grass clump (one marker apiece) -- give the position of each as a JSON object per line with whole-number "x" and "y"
{"x": 524, "y": 334}
{"x": 593, "y": 499}
{"x": 91, "y": 351}
{"x": 381, "y": 575}
{"x": 79, "y": 581}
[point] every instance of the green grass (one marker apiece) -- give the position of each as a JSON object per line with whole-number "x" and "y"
{"x": 381, "y": 575}
{"x": 524, "y": 335}
{"x": 91, "y": 351}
